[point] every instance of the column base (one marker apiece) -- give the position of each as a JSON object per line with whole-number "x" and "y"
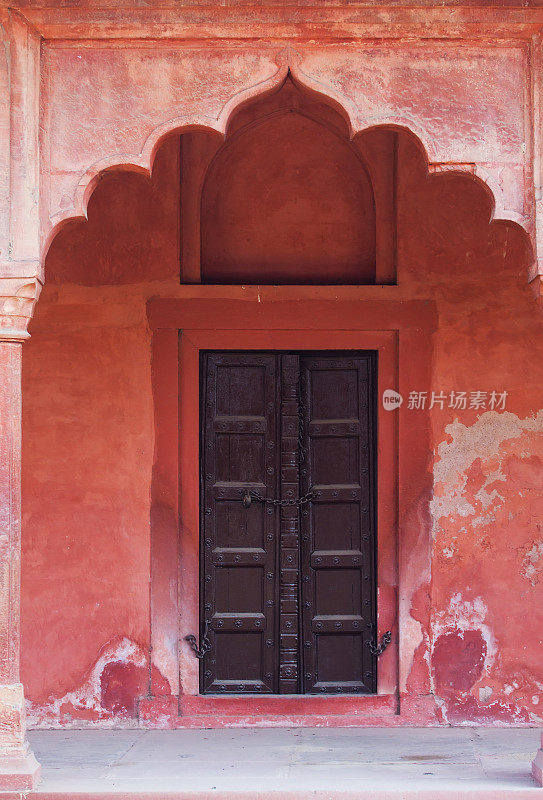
{"x": 19, "y": 770}
{"x": 537, "y": 765}
{"x": 18, "y": 773}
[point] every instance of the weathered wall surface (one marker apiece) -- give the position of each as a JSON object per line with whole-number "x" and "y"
{"x": 88, "y": 450}
{"x": 482, "y": 604}
{"x": 472, "y": 643}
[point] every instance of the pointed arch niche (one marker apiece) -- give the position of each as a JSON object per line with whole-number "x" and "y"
{"x": 287, "y": 197}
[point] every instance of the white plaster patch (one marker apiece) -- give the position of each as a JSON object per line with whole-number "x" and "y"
{"x": 87, "y": 696}
{"x": 485, "y": 693}
{"x": 489, "y": 498}
{"x": 481, "y": 440}
{"x": 531, "y": 563}
{"x": 412, "y": 636}
{"x": 485, "y": 519}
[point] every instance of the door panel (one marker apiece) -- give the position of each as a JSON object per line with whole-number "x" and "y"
{"x": 288, "y": 590}
{"x": 337, "y": 529}
{"x": 239, "y": 527}
{"x": 239, "y": 555}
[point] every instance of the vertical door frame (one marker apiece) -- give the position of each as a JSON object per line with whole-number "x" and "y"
{"x": 234, "y": 324}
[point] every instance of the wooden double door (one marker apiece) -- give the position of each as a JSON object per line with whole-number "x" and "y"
{"x": 288, "y": 584}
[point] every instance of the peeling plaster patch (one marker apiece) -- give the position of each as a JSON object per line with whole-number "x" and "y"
{"x": 489, "y": 498}
{"x": 485, "y": 693}
{"x": 412, "y": 637}
{"x": 84, "y": 705}
{"x": 531, "y": 563}
{"x": 486, "y": 519}
{"x": 458, "y": 660}
{"x": 463, "y": 614}
{"x": 482, "y": 440}
{"x": 466, "y": 711}
{"x": 121, "y": 685}
{"x": 489, "y": 466}
{"x": 467, "y": 615}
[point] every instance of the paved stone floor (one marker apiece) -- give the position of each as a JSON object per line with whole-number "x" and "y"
{"x": 316, "y": 763}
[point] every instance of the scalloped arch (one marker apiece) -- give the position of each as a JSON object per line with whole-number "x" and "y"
{"x": 287, "y": 61}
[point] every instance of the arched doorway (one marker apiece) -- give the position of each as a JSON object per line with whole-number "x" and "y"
{"x": 122, "y": 337}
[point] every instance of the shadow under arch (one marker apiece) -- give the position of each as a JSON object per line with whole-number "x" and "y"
{"x": 287, "y": 197}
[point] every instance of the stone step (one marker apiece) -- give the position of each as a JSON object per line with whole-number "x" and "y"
{"x": 287, "y": 764}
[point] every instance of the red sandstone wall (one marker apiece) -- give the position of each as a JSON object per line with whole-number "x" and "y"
{"x": 480, "y": 609}
{"x": 88, "y": 450}
{"x": 475, "y": 611}
{"x": 287, "y": 200}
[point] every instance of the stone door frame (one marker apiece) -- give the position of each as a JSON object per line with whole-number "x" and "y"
{"x": 183, "y": 327}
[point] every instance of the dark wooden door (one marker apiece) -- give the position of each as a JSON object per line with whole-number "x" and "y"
{"x": 337, "y": 547}
{"x": 288, "y": 588}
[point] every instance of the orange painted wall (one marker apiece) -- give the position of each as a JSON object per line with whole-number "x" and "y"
{"x": 88, "y": 450}
{"x": 473, "y": 500}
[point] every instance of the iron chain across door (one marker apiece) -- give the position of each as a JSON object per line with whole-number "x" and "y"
{"x": 288, "y": 522}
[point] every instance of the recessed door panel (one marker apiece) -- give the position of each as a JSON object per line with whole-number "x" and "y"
{"x": 336, "y": 526}
{"x": 334, "y": 459}
{"x": 239, "y": 527}
{"x": 334, "y": 394}
{"x": 338, "y": 591}
{"x": 241, "y": 390}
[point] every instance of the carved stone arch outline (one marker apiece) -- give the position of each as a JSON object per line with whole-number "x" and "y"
{"x": 288, "y": 61}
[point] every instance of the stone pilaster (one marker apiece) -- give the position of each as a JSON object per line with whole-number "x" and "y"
{"x": 19, "y": 769}
{"x": 536, "y": 73}
{"x": 19, "y": 290}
